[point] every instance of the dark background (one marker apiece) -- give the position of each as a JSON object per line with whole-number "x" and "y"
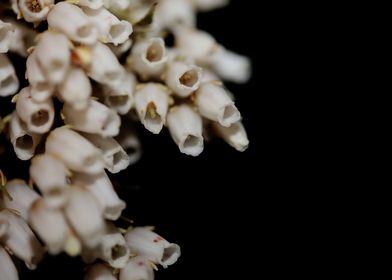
{"x": 213, "y": 206}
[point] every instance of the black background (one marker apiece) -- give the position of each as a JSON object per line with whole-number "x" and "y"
{"x": 213, "y": 206}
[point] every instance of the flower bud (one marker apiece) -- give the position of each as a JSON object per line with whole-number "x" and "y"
{"x": 171, "y": 13}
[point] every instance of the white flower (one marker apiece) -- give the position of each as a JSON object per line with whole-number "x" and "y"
{"x": 50, "y": 176}
{"x": 50, "y": 225}
{"x": 234, "y": 135}
{"x": 96, "y": 118}
{"x": 40, "y": 88}
{"x": 215, "y": 104}
{"x": 146, "y": 243}
{"x": 22, "y": 198}
{"x": 148, "y": 57}
{"x": 231, "y": 66}
{"x": 171, "y": 13}
{"x": 7, "y": 33}
{"x": 119, "y": 50}
{"x": 113, "y": 247}
{"x": 21, "y": 240}
{"x": 23, "y": 141}
{"x": 9, "y": 82}
{"x": 7, "y": 267}
{"x": 71, "y": 20}
{"x": 120, "y": 97}
{"x": 38, "y": 116}
{"x": 113, "y": 154}
{"x": 195, "y": 43}
{"x": 151, "y": 103}
{"x": 34, "y": 11}
{"x": 100, "y": 271}
{"x": 23, "y": 38}
{"x": 105, "y": 68}
{"x": 138, "y": 268}
{"x": 75, "y": 89}
{"x": 110, "y": 28}
{"x": 182, "y": 78}
{"x": 83, "y": 213}
{"x": 53, "y": 55}
{"x": 100, "y": 187}
{"x": 186, "y": 127}
{"x": 76, "y": 152}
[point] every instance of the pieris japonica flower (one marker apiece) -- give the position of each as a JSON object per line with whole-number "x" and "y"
{"x": 137, "y": 268}
{"x": 53, "y": 54}
{"x": 38, "y": 116}
{"x": 152, "y": 103}
{"x": 75, "y": 151}
{"x": 100, "y": 187}
{"x": 9, "y": 83}
{"x": 172, "y": 13}
{"x": 23, "y": 141}
{"x": 215, "y": 104}
{"x": 148, "y": 57}
{"x": 7, "y": 33}
{"x": 183, "y": 78}
{"x": 110, "y": 28}
{"x": 34, "y": 10}
{"x": 50, "y": 176}
{"x": 50, "y": 225}
{"x": 100, "y": 271}
{"x": 234, "y": 135}
{"x": 22, "y": 39}
{"x": 186, "y": 128}
{"x": 146, "y": 243}
{"x": 96, "y": 118}
{"x": 21, "y": 240}
{"x": 7, "y": 267}
{"x": 20, "y": 198}
{"x": 75, "y": 90}
{"x": 131, "y": 144}
{"x": 82, "y": 212}
{"x": 73, "y": 22}
{"x": 92, "y": 4}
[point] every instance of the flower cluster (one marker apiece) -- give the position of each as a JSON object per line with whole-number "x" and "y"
{"x": 93, "y": 67}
